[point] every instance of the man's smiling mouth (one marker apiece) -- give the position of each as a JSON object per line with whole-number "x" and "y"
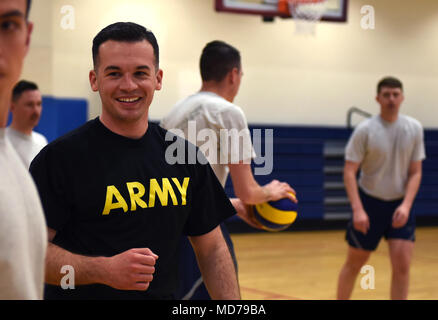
{"x": 128, "y": 100}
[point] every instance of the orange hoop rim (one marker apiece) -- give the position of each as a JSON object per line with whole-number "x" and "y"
{"x": 304, "y": 1}
{"x": 283, "y": 5}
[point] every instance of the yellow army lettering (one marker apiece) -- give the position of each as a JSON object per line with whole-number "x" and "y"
{"x": 137, "y": 191}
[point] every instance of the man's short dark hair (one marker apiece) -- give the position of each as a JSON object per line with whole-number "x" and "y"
{"x": 217, "y": 59}
{"x": 125, "y": 32}
{"x": 22, "y": 86}
{"x": 389, "y": 82}
{"x": 29, "y": 2}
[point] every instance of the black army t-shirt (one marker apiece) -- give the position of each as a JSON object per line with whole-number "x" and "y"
{"x": 104, "y": 194}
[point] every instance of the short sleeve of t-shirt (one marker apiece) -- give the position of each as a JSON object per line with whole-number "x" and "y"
{"x": 419, "y": 152}
{"x": 238, "y": 146}
{"x": 211, "y": 205}
{"x": 49, "y": 177}
{"x": 356, "y": 146}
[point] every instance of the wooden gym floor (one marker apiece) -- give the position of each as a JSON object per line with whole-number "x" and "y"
{"x": 305, "y": 265}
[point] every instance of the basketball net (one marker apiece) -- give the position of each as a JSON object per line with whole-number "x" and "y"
{"x": 306, "y": 14}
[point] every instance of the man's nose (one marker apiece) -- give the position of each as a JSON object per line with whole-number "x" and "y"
{"x": 127, "y": 83}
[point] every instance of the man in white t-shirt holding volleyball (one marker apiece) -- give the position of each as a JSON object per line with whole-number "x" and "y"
{"x": 212, "y": 109}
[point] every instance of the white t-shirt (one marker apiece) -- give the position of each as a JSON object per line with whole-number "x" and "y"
{"x": 23, "y": 232}
{"x": 217, "y": 126}
{"x": 385, "y": 151}
{"x": 26, "y": 146}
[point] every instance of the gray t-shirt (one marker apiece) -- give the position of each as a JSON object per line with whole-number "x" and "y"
{"x": 217, "y": 121}
{"x": 23, "y": 232}
{"x": 26, "y": 146}
{"x": 385, "y": 151}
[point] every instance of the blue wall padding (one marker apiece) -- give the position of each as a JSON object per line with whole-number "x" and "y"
{"x": 61, "y": 115}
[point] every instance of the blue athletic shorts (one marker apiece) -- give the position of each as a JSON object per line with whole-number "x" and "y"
{"x": 380, "y": 214}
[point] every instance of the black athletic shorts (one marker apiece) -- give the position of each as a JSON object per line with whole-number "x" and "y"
{"x": 380, "y": 214}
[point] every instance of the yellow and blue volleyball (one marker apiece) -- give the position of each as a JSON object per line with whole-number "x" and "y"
{"x": 276, "y": 215}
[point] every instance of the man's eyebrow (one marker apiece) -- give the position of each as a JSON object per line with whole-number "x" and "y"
{"x": 118, "y": 68}
{"x": 13, "y": 13}
{"x": 111, "y": 68}
{"x": 144, "y": 67}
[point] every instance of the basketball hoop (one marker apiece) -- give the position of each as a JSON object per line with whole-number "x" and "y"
{"x": 306, "y": 14}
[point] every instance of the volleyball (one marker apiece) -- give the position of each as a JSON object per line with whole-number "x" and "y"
{"x": 276, "y": 215}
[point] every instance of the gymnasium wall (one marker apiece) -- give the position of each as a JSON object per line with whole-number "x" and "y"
{"x": 288, "y": 79}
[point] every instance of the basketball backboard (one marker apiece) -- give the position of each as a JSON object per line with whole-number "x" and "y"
{"x": 336, "y": 9}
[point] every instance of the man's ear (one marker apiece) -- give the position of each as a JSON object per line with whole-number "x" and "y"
{"x": 93, "y": 81}
{"x": 233, "y": 75}
{"x": 159, "y": 76}
{"x": 29, "y": 34}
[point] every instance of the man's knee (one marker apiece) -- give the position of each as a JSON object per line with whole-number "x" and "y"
{"x": 357, "y": 258}
{"x": 400, "y": 264}
{"x": 401, "y": 255}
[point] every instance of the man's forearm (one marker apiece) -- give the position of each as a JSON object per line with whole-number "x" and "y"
{"x": 352, "y": 191}
{"x": 254, "y": 194}
{"x": 219, "y": 274}
{"x": 87, "y": 270}
{"x": 412, "y": 187}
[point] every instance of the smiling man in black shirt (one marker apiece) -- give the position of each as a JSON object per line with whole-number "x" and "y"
{"x": 115, "y": 208}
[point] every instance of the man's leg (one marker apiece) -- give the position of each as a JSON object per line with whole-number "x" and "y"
{"x": 400, "y": 252}
{"x": 356, "y": 258}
